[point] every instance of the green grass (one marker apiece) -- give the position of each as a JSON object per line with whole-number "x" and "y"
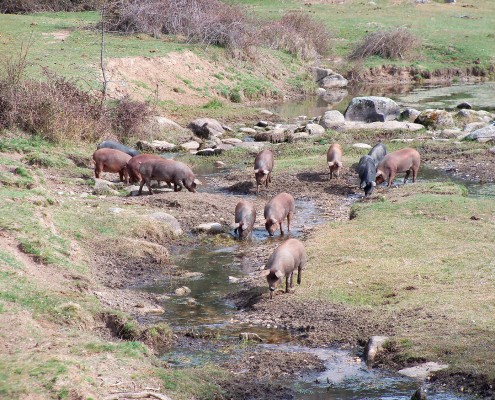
{"x": 448, "y": 39}
{"x": 422, "y": 238}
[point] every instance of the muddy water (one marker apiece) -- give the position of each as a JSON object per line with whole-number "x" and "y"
{"x": 479, "y": 95}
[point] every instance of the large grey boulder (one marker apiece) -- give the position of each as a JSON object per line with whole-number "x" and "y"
{"x": 435, "y": 119}
{"x": 372, "y": 109}
{"x": 332, "y": 119}
{"x": 482, "y": 135}
{"x": 206, "y": 127}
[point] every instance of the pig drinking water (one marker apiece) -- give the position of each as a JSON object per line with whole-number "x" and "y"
{"x": 168, "y": 171}
{"x": 276, "y": 210}
{"x": 378, "y": 152}
{"x": 110, "y": 144}
{"x": 110, "y": 160}
{"x": 245, "y": 217}
{"x": 263, "y": 166}
{"x": 367, "y": 173}
{"x": 286, "y": 258}
{"x": 334, "y": 159}
{"x": 405, "y": 160}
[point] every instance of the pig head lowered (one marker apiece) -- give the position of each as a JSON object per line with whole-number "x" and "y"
{"x": 286, "y": 258}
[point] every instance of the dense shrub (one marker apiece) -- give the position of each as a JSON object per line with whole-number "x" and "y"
{"x": 29, "y": 6}
{"x": 58, "y": 110}
{"x": 298, "y": 34}
{"x": 130, "y": 119}
{"x": 213, "y": 22}
{"x": 209, "y": 22}
{"x": 393, "y": 43}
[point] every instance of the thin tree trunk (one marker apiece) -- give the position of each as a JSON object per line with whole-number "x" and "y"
{"x": 102, "y": 60}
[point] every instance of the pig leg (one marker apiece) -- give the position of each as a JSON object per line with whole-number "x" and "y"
{"x": 391, "y": 178}
{"x": 299, "y": 271}
{"x": 121, "y": 175}
{"x": 287, "y": 278}
{"x": 289, "y": 216}
{"x": 98, "y": 170}
{"x": 141, "y": 186}
{"x": 414, "y": 173}
{"x": 292, "y": 279}
{"x": 126, "y": 176}
{"x": 269, "y": 177}
{"x": 407, "y": 175}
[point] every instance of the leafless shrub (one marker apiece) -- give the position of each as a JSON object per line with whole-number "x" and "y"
{"x": 131, "y": 119}
{"x": 29, "y": 6}
{"x": 209, "y": 22}
{"x": 393, "y": 43}
{"x": 298, "y": 34}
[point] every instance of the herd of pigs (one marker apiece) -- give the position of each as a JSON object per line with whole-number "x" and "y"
{"x": 374, "y": 168}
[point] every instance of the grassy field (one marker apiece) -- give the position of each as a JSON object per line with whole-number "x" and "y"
{"x": 452, "y": 35}
{"x": 427, "y": 252}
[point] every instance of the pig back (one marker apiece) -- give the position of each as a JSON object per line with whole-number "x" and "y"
{"x": 134, "y": 163}
{"x": 366, "y": 169}
{"x": 400, "y": 160}
{"x": 288, "y": 256}
{"x": 110, "y": 144}
{"x": 161, "y": 170}
{"x": 245, "y": 211}
{"x": 111, "y": 157}
{"x": 378, "y": 152}
{"x": 264, "y": 160}
{"x": 279, "y": 206}
{"x": 334, "y": 152}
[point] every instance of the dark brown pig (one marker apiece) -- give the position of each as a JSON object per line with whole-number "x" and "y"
{"x": 263, "y": 166}
{"x": 406, "y": 160}
{"x": 334, "y": 159}
{"x": 245, "y": 217}
{"x": 135, "y": 162}
{"x": 168, "y": 171}
{"x": 276, "y": 210}
{"x": 110, "y": 160}
{"x": 286, "y": 258}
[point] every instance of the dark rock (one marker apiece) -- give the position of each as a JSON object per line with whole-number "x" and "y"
{"x": 372, "y": 109}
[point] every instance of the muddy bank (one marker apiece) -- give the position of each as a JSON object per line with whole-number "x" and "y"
{"x": 404, "y": 75}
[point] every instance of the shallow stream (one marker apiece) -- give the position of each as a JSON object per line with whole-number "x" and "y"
{"x": 211, "y": 274}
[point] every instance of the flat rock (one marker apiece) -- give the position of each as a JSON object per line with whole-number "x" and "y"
{"x": 209, "y": 152}
{"x": 115, "y": 210}
{"x": 169, "y": 220}
{"x": 333, "y": 81}
{"x": 482, "y": 135}
{"x": 422, "y": 371}
{"x": 232, "y": 141}
{"x": 191, "y": 145}
{"x": 211, "y": 227}
{"x": 384, "y": 126}
{"x": 297, "y": 136}
{"x": 103, "y": 187}
{"x": 361, "y": 146}
{"x": 248, "y": 131}
{"x": 266, "y": 112}
{"x": 156, "y": 146}
{"x": 254, "y": 146}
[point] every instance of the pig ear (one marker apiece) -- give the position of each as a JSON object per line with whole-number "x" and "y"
{"x": 279, "y": 274}
{"x": 273, "y": 220}
{"x": 265, "y": 272}
{"x": 373, "y": 183}
{"x": 378, "y": 173}
{"x": 266, "y": 172}
{"x": 330, "y": 163}
{"x": 198, "y": 182}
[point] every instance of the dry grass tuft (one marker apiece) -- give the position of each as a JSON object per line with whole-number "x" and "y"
{"x": 393, "y": 43}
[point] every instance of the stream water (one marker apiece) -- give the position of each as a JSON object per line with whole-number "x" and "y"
{"x": 206, "y": 311}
